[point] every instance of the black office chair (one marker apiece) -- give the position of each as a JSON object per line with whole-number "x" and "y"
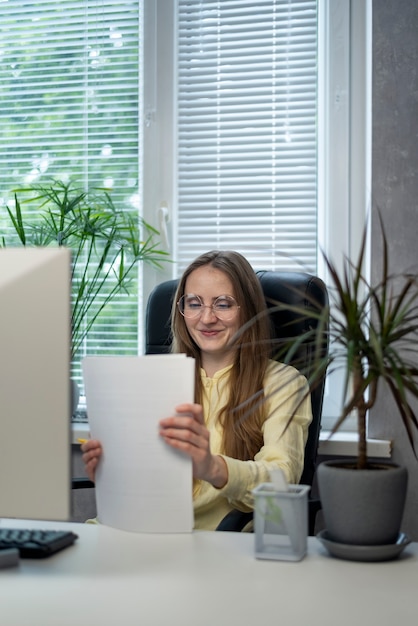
{"x": 286, "y": 294}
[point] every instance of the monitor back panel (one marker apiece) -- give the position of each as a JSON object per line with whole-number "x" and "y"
{"x": 34, "y": 383}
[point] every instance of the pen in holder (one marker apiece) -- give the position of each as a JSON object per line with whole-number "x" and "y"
{"x": 281, "y": 521}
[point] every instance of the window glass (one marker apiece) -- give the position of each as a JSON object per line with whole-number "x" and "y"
{"x": 247, "y": 131}
{"x": 70, "y": 76}
{"x": 236, "y": 131}
{"x": 259, "y": 130}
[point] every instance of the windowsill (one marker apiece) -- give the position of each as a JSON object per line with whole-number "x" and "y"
{"x": 345, "y": 444}
{"x": 340, "y": 444}
{"x": 79, "y": 430}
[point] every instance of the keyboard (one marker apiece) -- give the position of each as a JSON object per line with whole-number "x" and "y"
{"x": 35, "y": 544}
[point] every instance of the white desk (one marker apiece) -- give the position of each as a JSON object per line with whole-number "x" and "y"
{"x": 114, "y": 578}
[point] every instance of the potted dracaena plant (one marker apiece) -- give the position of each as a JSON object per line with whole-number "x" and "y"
{"x": 372, "y": 332}
{"x": 106, "y": 242}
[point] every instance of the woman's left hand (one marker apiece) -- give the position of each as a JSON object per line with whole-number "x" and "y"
{"x": 186, "y": 431}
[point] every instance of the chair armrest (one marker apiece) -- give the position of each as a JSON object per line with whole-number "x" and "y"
{"x": 235, "y": 521}
{"x": 82, "y": 483}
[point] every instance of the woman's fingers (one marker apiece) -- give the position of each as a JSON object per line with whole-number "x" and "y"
{"x": 186, "y": 434}
{"x": 186, "y": 428}
{"x": 194, "y": 410}
{"x": 92, "y": 451}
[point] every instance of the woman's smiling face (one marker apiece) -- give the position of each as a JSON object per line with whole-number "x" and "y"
{"x": 211, "y": 334}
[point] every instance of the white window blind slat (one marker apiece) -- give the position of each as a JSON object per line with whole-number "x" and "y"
{"x": 70, "y": 105}
{"x": 247, "y": 130}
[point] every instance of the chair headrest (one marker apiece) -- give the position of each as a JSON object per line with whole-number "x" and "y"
{"x": 295, "y": 288}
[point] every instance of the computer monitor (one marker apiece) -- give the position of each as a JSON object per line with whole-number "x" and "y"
{"x": 35, "y": 474}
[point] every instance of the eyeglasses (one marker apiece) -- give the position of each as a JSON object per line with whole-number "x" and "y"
{"x": 224, "y": 307}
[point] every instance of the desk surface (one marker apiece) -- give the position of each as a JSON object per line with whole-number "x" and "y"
{"x": 110, "y": 577}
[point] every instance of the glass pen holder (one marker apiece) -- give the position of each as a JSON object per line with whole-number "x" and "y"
{"x": 281, "y": 522}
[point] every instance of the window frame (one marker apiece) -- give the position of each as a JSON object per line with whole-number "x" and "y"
{"x": 68, "y": 72}
{"x": 344, "y": 151}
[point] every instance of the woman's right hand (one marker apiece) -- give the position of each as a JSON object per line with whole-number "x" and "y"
{"x": 92, "y": 451}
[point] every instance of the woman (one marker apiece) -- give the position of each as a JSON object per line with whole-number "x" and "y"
{"x": 238, "y": 428}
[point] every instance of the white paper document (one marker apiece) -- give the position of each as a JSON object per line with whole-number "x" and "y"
{"x": 142, "y": 484}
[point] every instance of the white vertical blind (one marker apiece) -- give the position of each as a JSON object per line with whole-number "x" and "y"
{"x": 70, "y": 77}
{"x": 247, "y": 130}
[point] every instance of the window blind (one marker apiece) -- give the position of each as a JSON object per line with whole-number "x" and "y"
{"x": 247, "y": 131}
{"x": 70, "y": 77}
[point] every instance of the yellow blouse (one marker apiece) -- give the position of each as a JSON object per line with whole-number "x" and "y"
{"x": 283, "y": 388}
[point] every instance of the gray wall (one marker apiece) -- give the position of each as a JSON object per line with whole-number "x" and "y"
{"x": 395, "y": 187}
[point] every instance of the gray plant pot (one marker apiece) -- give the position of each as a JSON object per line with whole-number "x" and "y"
{"x": 362, "y": 507}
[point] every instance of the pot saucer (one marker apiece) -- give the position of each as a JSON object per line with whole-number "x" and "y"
{"x": 364, "y": 553}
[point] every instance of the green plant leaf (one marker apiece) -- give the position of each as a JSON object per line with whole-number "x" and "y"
{"x": 107, "y": 243}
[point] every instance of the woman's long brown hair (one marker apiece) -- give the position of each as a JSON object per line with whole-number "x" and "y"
{"x": 244, "y": 414}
